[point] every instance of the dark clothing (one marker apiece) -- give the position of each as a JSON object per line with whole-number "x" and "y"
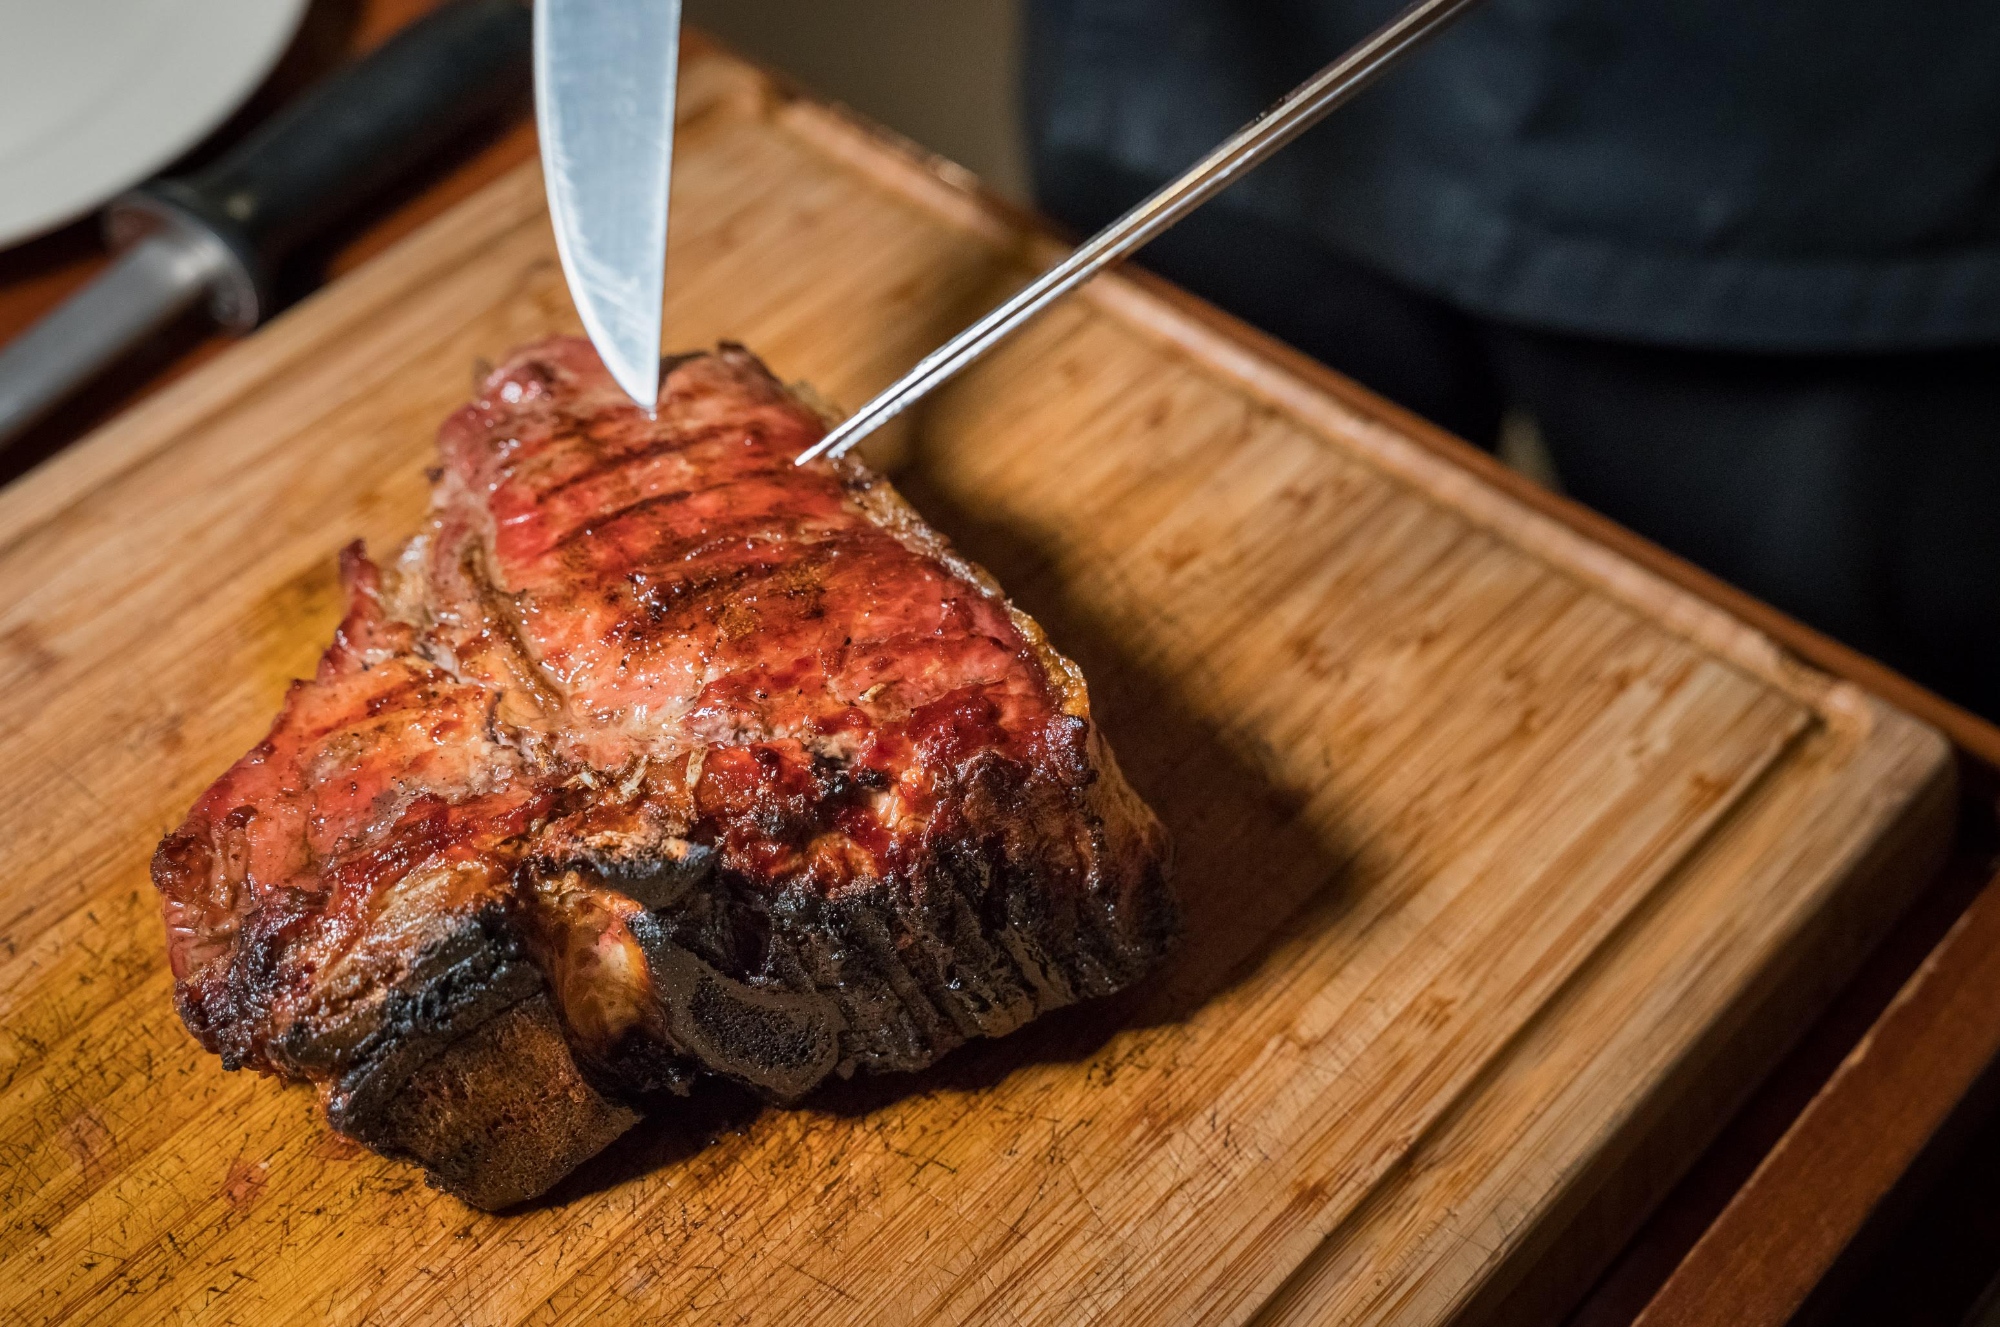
{"x": 1860, "y": 493}
{"x": 1798, "y": 175}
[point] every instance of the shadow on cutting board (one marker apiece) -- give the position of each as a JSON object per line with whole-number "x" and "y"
{"x": 1252, "y": 874}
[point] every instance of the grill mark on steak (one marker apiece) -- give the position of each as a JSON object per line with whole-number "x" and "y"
{"x": 654, "y": 756}
{"x": 614, "y": 460}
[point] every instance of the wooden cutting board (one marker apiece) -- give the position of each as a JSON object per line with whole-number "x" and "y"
{"x": 1507, "y": 865}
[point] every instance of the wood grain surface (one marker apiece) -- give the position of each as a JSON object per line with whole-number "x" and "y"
{"x": 1508, "y": 865}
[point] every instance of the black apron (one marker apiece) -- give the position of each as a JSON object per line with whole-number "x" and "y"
{"x": 1773, "y": 175}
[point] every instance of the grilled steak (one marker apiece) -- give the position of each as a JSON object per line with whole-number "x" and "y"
{"x": 653, "y": 756}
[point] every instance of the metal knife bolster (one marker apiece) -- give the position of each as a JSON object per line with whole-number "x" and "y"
{"x": 168, "y": 212}
{"x": 339, "y": 144}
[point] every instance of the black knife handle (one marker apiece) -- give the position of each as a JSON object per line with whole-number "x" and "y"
{"x": 349, "y": 136}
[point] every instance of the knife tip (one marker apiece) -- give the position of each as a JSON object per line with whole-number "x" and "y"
{"x": 641, "y": 387}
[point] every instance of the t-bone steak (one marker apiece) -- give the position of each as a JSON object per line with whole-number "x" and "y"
{"x": 653, "y": 756}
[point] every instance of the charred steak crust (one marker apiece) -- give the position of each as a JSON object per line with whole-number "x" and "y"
{"x": 653, "y": 756}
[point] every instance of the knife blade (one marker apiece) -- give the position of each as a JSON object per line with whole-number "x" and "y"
{"x": 1245, "y": 150}
{"x": 605, "y": 73}
{"x": 220, "y": 235}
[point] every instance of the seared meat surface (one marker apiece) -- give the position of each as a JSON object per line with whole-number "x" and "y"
{"x": 653, "y": 756}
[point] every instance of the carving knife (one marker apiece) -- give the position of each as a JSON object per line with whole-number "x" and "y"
{"x": 1252, "y": 145}
{"x": 605, "y": 75}
{"x": 220, "y": 234}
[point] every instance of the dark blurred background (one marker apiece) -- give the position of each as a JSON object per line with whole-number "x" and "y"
{"x": 946, "y": 73}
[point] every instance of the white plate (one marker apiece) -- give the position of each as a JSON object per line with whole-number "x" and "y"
{"x": 96, "y": 95}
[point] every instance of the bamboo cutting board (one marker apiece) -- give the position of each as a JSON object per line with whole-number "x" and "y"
{"x": 1506, "y": 864}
